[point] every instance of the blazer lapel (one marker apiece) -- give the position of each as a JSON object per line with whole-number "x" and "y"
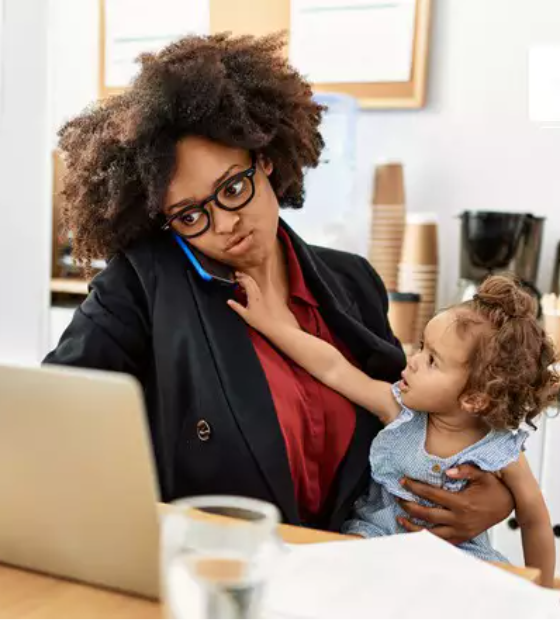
{"x": 246, "y": 390}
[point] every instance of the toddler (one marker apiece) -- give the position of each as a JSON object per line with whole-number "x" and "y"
{"x": 484, "y": 371}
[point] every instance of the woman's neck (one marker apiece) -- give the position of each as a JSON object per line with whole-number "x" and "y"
{"x": 272, "y": 275}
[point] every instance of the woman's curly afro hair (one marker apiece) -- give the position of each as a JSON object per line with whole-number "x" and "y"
{"x": 120, "y": 154}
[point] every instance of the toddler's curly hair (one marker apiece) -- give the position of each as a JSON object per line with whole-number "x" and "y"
{"x": 512, "y": 359}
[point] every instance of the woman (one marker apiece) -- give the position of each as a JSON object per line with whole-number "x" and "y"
{"x": 214, "y": 135}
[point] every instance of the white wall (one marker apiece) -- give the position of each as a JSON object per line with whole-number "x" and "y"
{"x": 472, "y": 147}
{"x": 25, "y": 221}
{"x": 75, "y": 58}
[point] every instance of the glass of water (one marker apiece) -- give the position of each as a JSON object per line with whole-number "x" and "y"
{"x": 216, "y": 554}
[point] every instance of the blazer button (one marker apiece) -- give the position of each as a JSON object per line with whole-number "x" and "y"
{"x": 203, "y": 430}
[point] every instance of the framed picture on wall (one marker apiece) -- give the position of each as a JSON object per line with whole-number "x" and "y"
{"x": 373, "y": 50}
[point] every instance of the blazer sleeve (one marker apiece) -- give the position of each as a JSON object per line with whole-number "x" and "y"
{"x": 111, "y": 329}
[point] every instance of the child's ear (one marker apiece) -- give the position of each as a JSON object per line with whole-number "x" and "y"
{"x": 474, "y": 403}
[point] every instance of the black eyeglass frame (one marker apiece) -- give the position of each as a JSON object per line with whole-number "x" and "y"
{"x": 249, "y": 173}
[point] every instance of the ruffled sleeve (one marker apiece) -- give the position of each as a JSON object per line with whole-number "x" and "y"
{"x": 405, "y": 415}
{"x": 501, "y": 449}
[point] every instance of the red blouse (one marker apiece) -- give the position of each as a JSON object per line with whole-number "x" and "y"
{"x": 317, "y": 423}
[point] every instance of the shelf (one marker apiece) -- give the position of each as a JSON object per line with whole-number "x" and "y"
{"x": 69, "y": 286}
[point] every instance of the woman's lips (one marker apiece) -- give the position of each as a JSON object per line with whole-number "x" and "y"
{"x": 241, "y": 246}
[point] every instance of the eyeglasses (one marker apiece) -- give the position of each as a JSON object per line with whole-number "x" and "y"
{"x": 231, "y": 195}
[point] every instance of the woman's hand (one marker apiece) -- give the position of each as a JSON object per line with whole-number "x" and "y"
{"x": 460, "y": 516}
{"x": 262, "y": 312}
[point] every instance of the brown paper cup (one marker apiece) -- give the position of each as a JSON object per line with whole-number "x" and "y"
{"x": 420, "y": 244}
{"x": 403, "y": 313}
{"x": 388, "y": 186}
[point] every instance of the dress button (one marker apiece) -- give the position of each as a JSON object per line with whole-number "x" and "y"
{"x": 436, "y": 468}
{"x": 203, "y": 430}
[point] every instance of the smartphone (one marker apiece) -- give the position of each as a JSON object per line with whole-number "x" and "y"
{"x": 207, "y": 268}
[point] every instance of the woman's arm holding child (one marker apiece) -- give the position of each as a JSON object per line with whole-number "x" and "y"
{"x": 533, "y": 518}
{"x": 316, "y": 356}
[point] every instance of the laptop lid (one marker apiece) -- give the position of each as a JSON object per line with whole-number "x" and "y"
{"x": 78, "y": 486}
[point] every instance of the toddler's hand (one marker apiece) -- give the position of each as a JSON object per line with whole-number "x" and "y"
{"x": 261, "y": 312}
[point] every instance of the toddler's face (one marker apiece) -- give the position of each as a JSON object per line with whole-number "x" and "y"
{"x": 435, "y": 376}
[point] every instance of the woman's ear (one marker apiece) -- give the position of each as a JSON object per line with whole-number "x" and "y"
{"x": 266, "y": 165}
{"x": 474, "y": 403}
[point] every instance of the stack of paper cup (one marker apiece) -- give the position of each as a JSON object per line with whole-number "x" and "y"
{"x": 387, "y": 223}
{"x": 418, "y": 269}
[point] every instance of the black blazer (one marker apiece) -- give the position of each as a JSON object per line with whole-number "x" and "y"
{"x": 213, "y": 423}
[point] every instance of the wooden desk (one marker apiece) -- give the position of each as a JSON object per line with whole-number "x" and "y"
{"x": 29, "y": 595}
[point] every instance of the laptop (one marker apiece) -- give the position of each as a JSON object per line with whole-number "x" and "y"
{"x": 78, "y": 489}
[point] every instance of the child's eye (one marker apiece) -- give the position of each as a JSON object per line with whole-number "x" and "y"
{"x": 421, "y": 345}
{"x": 432, "y": 360}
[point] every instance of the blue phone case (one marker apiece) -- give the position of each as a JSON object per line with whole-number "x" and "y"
{"x": 202, "y": 272}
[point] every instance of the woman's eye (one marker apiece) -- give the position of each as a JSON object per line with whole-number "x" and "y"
{"x": 190, "y": 219}
{"x": 234, "y": 189}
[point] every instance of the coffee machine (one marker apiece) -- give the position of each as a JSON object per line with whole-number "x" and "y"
{"x": 495, "y": 242}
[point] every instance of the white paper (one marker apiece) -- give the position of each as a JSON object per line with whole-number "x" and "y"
{"x": 544, "y": 84}
{"x": 335, "y": 41}
{"x": 404, "y": 576}
{"x": 133, "y": 27}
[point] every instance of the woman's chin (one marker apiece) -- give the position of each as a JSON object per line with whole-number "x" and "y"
{"x": 245, "y": 262}
{"x": 253, "y": 258}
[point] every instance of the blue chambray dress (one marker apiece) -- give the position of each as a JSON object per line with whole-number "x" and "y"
{"x": 399, "y": 451}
